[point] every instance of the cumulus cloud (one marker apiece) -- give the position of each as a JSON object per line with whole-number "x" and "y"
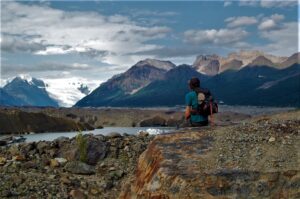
{"x": 240, "y": 21}
{"x": 282, "y": 41}
{"x": 62, "y": 32}
{"x": 213, "y": 36}
{"x": 271, "y": 23}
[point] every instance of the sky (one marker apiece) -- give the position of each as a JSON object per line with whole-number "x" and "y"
{"x": 91, "y": 41}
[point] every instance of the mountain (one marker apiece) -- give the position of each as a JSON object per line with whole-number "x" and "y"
{"x": 231, "y": 65}
{"x": 84, "y": 89}
{"x": 258, "y": 85}
{"x": 293, "y": 59}
{"x": 168, "y": 91}
{"x": 207, "y": 64}
{"x": 27, "y": 92}
{"x": 67, "y": 91}
{"x": 165, "y": 65}
{"x": 261, "y": 61}
{"x": 214, "y": 64}
{"x": 249, "y": 56}
{"x": 127, "y": 83}
{"x": 8, "y": 100}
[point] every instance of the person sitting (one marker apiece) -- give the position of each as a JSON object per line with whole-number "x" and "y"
{"x": 193, "y": 99}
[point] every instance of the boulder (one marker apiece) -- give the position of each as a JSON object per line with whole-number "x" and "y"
{"x": 155, "y": 121}
{"x": 96, "y": 149}
{"x": 42, "y": 146}
{"x": 114, "y": 135}
{"x": 77, "y": 194}
{"x": 77, "y": 167}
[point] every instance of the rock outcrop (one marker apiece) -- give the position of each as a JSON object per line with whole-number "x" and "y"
{"x": 207, "y": 64}
{"x": 257, "y": 159}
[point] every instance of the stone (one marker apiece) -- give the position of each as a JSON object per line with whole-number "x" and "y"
{"x": 77, "y": 167}
{"x": 77, "y": 194}
{"x": 54, "y": 163}
{"x": 143, "y": 134}
{"x": 61, "y": 139}
{"x": 94, "y": 191}
{"x": 272, "y": 139}
{"x": 96, "y": 150}
{"x": 2, "y": 161}
{"x": 155, "y": 121}
{"x": 29, "y": 165}
{"x": 65, "y": 180}
{"x": 19, "y": 158}
{"x": 52, "y": 177}
{"x": 41, "y": 146}
{"x": 114, "y": 135}
{"x": 61, "y": 161}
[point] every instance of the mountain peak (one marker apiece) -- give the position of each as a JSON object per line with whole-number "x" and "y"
{"x": 207, "y": 64}
{"x": 261, "y": 61}
{"x": 165, "y": 65}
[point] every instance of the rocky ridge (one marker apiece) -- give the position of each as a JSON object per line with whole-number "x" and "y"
{"x": 255, "y": 159}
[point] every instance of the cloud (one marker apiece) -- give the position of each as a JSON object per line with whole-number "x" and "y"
{"x": 227, "y": 3}
{"x": 282, "y": 41}
{"x": 271, "y": 23}
{"x": 42, "y": 67}
{"x": 139, "y": 13}
{"x": 63, "y": 32}
{"x": 269, "y": 3}
{"x": 249, "y": 2}
{"x": 213, "y": 36}
{"x": 174, "y": 52}
{"x": 278, "y": 3}
{"x": 240, "y": 21}
{"x": 14, "y": 44}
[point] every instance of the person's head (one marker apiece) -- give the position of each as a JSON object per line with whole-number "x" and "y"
{"x": 194, "y": 83}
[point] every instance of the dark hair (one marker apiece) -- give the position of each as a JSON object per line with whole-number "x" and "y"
{"x": 194, "y": 83}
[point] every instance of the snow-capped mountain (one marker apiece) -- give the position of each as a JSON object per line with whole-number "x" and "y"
{"x": 69, "y": 90}
{"x": 29, "y": 91}
{"x": 26, "y": 91}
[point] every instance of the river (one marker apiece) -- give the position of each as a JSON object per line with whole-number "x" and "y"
{"x": 105, "y": 131}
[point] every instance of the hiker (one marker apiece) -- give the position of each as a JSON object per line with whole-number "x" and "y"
{"x": 199, "y": 104}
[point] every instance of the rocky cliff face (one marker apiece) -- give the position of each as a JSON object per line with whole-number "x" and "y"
{"x": 207, "y": 64}
{"x": 231, "y": 65}
{"x": 261, "y": 61}
{"x": 295, "y": 58}
{"x": 248, "y": 56}
{"x": 257, "y": 159}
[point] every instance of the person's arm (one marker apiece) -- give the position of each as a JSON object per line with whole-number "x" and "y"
{"x": 187, "y": 112}
{"x": 188, "y": 108}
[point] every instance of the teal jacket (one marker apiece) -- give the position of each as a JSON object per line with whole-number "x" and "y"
{"x": 191, "y": 99}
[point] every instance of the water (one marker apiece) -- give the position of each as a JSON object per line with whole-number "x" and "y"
{"x": 105, "y": 131}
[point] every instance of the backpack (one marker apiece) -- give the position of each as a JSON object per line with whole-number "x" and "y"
{"x": 206, "y": 104}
